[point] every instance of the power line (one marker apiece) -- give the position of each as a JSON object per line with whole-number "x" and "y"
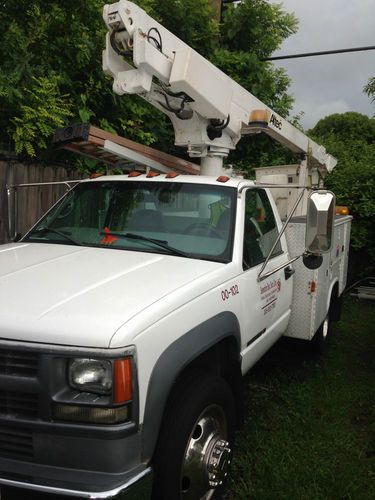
{"x": 321, "y": 53}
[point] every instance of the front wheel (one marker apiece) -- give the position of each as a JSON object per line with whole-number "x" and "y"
{"x": 195, "y": 445}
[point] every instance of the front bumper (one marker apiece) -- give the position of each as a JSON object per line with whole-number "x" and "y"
{"x": 136, "y": 487}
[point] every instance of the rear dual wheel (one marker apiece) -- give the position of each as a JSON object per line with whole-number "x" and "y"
{"x": 320, "y": 338}
{"x": 195, "y": 446}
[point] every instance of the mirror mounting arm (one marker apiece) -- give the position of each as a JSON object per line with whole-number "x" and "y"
{"x": 270, "y": 273}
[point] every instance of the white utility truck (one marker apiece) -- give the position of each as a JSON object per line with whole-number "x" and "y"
{"x": 130, "y": 312}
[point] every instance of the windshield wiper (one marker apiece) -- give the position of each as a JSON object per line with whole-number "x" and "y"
{"x": 159, "y": 243}
{"x": 48, "y": 229}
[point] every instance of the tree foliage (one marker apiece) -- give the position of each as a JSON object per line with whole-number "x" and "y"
{"x": 369, "y": 89}
{"x": 51, "y": 71}
{"x": 351, "y": 138}
{"x": 45, "y": 110}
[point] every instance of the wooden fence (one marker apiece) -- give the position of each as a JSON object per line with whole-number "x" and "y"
{"x": 30, "y": 203}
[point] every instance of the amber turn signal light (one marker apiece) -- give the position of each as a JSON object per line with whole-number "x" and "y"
{"x": 122, "y": 380}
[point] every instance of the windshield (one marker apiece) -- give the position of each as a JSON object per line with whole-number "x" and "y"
{"x": 189, "y": 220}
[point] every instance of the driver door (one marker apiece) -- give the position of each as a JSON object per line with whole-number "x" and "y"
{"x": 265, "y": 304}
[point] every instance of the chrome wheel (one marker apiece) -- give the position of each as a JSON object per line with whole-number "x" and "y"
{"x": 207, "y": 455}
{"x": 319, "y": 341}
{"x": 325, "y": 327}
{"x": 193, "y": 454}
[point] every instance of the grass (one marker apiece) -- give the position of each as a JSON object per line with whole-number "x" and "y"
{"x": 309, "y": 430}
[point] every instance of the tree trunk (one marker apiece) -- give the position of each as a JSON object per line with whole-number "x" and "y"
{"x": 216, "y": 6}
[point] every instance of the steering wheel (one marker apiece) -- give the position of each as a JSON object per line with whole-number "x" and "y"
{"x": 202, "y": 229}
{"x": 67, "y": 210}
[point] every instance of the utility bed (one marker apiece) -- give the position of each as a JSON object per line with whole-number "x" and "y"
{"x": 310, "y": 288}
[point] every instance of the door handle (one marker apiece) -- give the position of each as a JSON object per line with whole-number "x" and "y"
{"x": 288, "y": 272}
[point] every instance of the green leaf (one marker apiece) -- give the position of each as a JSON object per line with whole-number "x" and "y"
{"x": 62, "y": 42}
{"x": 350, "y": 137}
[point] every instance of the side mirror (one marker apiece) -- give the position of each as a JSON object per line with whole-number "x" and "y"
{"x": 312, "y": 261}
{"x": 319, "y": 222}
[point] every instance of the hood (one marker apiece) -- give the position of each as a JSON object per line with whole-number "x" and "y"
{"x": 67, "y": 295}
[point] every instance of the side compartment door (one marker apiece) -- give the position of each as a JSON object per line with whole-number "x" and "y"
{"x": 265, "y": 304}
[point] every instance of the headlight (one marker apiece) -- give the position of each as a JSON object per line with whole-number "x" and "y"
{"x": 91, "y": 375}
{"x": 105, "y": 391}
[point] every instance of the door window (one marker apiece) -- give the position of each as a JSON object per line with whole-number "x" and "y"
{"x": 260, "y": 231}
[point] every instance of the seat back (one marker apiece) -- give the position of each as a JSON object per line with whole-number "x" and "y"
{"x": 146, "y": 219}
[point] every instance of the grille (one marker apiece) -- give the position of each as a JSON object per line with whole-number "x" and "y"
{"x": 18, "y": 405}
{"x": 16, "y": 442}
{"x": 24, "y": 364}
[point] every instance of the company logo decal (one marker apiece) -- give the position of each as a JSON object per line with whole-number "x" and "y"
{"x": 275, "y": 122}
{"x": 268, "y": 293}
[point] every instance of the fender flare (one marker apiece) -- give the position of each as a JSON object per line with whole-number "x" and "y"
{"x": 172, "y": 362}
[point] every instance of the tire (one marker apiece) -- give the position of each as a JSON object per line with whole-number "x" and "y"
{"x": 319, "y": 341}
{"x": 194, "y": 447}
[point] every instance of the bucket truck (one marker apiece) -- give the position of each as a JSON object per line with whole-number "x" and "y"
{"x": 130, "y": 312}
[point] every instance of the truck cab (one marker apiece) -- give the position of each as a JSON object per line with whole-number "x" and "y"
{"x": 126, "y": 289}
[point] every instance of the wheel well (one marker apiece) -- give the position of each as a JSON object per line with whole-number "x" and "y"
{"x": 335, "y": 303}
{"x": 221, "y": 359}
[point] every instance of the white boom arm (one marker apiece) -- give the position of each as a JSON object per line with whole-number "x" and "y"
{"x": 209, "y": 111}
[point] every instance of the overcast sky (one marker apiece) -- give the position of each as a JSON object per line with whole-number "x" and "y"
{"x": 332, "y": 83}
